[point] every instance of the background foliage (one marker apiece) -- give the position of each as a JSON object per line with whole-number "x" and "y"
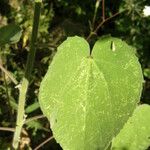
{"x": 59, "y": 19}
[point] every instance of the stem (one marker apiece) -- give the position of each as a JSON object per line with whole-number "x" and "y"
{"x": 6, "y": 89}
{"x": 25, "y": 82}
{"x": 107, "y": 19}
{"x": 20, "y": 114}
{"x": 7, "y": 129}
{"x": 43, "y": 143}
{"x": 31, "y": 55}
{"x": 7, "y": 94}
{"x": 34, "y": 118}
{"x": 103, "y": 10}
{"x": 8, "y": 74}
{"x": 95, "y": 13}
{"x": 100, "y": 25}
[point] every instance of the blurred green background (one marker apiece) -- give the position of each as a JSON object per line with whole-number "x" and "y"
{"x": 59, "y": 19}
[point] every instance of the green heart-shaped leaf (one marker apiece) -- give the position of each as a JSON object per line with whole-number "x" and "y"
{"x": 88, "y": 98}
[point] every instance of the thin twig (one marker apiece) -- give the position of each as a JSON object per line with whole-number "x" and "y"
{"x": 34, "y": 118}
{"x": 107, "y": 19}
{"x": 101, "y": 23}
{"x": 7, "y": 91}
{"x": 95, "y": 13}
{"x": 43, "y": 143}
{"x": 12, "y": 130}
{"x": 8, "y": 74}
{"x": 7, "y": 129}
{"x": 103, "y": 10}
{"x": 8, "y": 97}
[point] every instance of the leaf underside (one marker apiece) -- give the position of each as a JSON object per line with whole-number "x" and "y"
{"x": 88, "y": 98}
{"x": 135, "y": 135}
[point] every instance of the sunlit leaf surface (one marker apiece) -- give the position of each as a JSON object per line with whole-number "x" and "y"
{"x": 88, "y": 98}
{"x": 135, "y": 135}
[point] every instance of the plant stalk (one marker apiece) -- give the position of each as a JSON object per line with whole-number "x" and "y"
{"x": 95, "y": 12}
{"x": 103, "y": 10}
{"x": 25, "y": 82}
{"x": 31, "y": 55}
{"x": 20, "y": 114}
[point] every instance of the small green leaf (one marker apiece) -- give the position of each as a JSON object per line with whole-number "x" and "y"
{"x": 36, "y": 125}
{"x": 147, "y": 72}
{"x": 14, "y": 105}
{"x": 32, "y": 107}
{"x": 10, "y": 34}
{"x": 88, "y": 98}
{"x": 135, "y": 135}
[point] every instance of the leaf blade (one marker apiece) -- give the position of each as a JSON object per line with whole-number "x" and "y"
{"x": 135, "y": 135}
{"x": 77, "y": 97}
{"x": 123, "y": 74}
{"x": 10, "y": 34}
